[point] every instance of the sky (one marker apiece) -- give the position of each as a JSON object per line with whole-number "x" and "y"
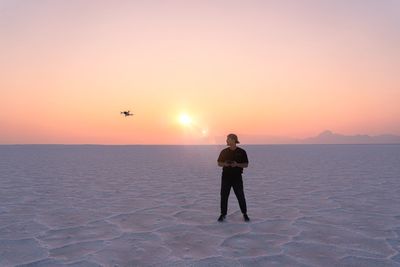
{"x": 194, "y": 71}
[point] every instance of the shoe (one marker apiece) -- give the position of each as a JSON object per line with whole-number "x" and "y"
{"x": 221, "y": 218}
{"x": 246, "y": 218}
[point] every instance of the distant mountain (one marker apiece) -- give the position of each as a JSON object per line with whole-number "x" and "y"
{"x": 328, "y": 137}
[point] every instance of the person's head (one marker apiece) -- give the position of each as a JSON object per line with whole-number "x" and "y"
{"x": 232, "y": 139}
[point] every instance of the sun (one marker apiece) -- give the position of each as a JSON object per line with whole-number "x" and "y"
{"x": 185, "y": 119}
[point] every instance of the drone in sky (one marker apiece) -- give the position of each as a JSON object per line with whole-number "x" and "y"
{"x": 127, "y": 113}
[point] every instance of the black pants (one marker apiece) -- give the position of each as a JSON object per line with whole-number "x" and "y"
{"x": 235, "y": 181}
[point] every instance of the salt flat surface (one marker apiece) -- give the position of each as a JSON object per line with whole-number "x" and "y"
{"x": 310, "y": 205}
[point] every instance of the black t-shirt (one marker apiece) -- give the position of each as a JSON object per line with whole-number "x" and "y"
{"x": 239, "y": 155}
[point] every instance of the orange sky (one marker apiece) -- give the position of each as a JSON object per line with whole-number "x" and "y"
{"x": 281, "y": 68}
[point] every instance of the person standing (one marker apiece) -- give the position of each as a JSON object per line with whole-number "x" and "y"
{"x": 232, "y": 160}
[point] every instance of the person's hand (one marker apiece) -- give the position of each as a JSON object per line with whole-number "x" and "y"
{"x": 228, "y": 163}
{"x": 234, "y": 164}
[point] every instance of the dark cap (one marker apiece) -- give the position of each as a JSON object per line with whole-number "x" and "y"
{"x": 234, "y": 137}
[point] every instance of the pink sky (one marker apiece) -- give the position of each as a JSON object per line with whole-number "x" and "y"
{"x": 283, "y": 68}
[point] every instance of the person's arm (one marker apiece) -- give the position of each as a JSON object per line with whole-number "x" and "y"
{"x": 221, "y": 160}
{"x": 223, "y": 164}
{"x": 241, "y": 165}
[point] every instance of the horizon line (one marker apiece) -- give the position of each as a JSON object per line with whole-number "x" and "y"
{"x": 246, "y": 144}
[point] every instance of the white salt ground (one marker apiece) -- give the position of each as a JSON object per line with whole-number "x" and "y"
{"x": 309, "y": 205}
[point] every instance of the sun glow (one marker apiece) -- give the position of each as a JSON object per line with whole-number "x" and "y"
{"x": 185, "y": 119}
